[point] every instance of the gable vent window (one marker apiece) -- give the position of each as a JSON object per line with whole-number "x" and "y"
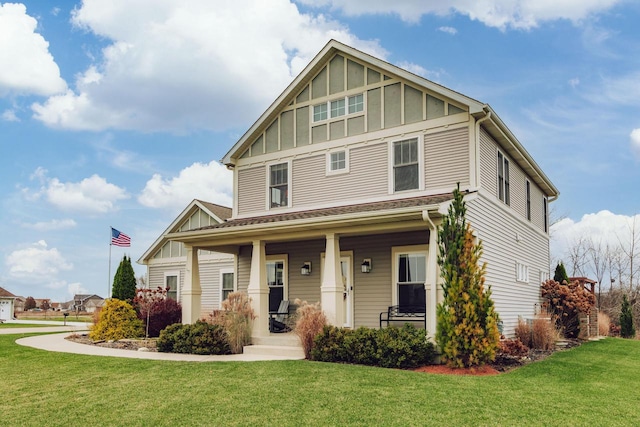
{"x": 338, "y": 108}
{"x": 405, "y": 165}
{"x": 279, "y": 185}
{"x": 503, "y": 179}
{"x": 522, "y": 273}
{"x": 528, "y": 200}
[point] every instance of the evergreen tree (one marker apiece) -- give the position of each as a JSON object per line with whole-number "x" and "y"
{"x": 467, "y": 329}
{"x": 627, "y": 330}
{"x": 561, "y": 274}
{"x": 124, "y": 282}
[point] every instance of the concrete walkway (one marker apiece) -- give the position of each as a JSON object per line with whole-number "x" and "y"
{"x": 58, "y": 343}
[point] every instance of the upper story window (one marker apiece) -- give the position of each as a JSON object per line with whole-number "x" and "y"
{"x": 279, "y": 185}
{"x": 545, "y": 214}
{"x": 528, "y": 200}
{"x": 406, "y": 165}
{"x": 337, "y": 162}
{"x": 338, "y": 107}
{"x": 503, "y": 179}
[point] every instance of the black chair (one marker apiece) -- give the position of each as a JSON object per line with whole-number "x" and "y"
{"x": 277, "y": 318}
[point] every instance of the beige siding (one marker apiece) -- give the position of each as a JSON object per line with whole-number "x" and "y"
{"x": 374, "y": 110}
{"x": 319, "y": 84}
{"x": 302, "y": 126}
{"x": 517, "y": 189}
{"x": 244, "y": 267}
{"x": 286, "y": 130}
{"x": 367, "y": 169}
{"x": 336, "y": 130}
{"x": 537, "y": 207}
{"x": 392, "y": 105}
{"x": 355, "y": 126}
{"x": 355, "y": 75}
{"x": 508, "y": 239}
{"x": 252, "y": 190}
{"x": 488, "y": 163}
{"x": 336, "y": 75}
{"x": 446, "y": 159}
{"x": 412, "y": 105}
{"x": 271, "y": 140}
{"x": 319, "y": 134}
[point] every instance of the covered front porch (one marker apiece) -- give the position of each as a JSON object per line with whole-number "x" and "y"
{"x": 356, "y": 266}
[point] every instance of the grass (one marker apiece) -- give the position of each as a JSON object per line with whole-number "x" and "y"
{"x": 22, "y": 325}
{"x": 71, "y": 318}
{"x": 595, "y": 384}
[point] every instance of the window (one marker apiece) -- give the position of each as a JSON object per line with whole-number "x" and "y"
{"x": 503, "y": 179}
{"x": 226, "y": 284}
{"x": 356, "y": 104}
{"x": 528, "y": 200}
{"x": 545, "y": 213}
{"x": 544, "y": 276}
{"x": 411, "y": 277}
{"x": 276, "y": 279}
{"x": 406, "y": 172}
{"x": 319, "y": 112}
{"x": 522, "y": 272}
{"x": 337, "y": 108}
{"x": 171, "y": 280}
{"x": 337, "y": 162}
{"x": 278, "y": 185}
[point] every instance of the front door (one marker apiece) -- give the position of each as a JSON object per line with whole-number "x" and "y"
{"x": 347, "y": 282}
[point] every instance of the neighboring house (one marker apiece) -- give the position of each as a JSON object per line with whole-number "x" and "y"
{"x": 340, "y": 185}
{"x": 7, "y": 307}
{"x": 166, "y": 260}
{"x": 18, "y": 304}
{"x": 41, "y": 301}
{"x": 87, "y": 303}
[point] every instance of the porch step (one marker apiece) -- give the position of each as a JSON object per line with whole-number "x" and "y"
{"x": 289, "y": 352}
{"x": 288, "y": 340}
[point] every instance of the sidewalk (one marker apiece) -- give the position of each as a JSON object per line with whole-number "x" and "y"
{"x": 58, "y": 343}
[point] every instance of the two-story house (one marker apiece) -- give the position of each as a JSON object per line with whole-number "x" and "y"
{"x": 339, "y": 187}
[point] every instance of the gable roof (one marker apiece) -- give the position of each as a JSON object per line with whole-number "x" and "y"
{"x": 218, "y": 212}
{"x": 6, "y": 294}
{"x": 494, "y": 125}
{"x": 84, "y": 297}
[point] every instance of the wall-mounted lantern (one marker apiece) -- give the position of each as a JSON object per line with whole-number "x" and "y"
{"x": 366, "y": 265}
{"x": 305, "y": 270}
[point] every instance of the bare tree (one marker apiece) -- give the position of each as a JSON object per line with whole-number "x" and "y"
{"x": 597, "y": 260}
{"x": 578, "y": 256}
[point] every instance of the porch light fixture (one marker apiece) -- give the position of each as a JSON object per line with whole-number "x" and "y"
{"x": 305, "y": 270}
{"x": 366, "y": 265}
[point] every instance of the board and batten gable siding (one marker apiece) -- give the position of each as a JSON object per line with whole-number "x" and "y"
{"x": 508, "y": 239}
{"x": 252, "y": 191}
{"x": 367, "y": 170}
{"x": 446, "y": 159}
{"x": 209, "y": 278}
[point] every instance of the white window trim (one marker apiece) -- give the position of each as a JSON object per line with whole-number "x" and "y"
{"x": 346, "y": 162}
{"x": 346, "y": 108}
{"x": 507, "y": 198}
{"x": 522, "y": 272}
{"x": 172, "y": 273}
{"x": 285, "y": 272}
{"x": 545, "y": 214}
{"x": 544, "y": 276}
{"x": 420, "y": 164}
{"x": 527, "y": 200}
{"x": 268, "y": 185}
{"x": 224, "y": 271}
{"x": 397, "y": 250}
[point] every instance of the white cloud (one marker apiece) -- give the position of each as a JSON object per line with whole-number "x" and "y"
{"x": 419, "y": 70}
{"x": 178, "y": 66}
{"x": 26, "y": 66}
{"x": 54, "y": 224}
{"x": 36, "y": 262}
{"x": 448, "y": 30}
{"x": 92, "y": 195}
{"x": 76, "y": 288}
{"x": 10, "y": 116}
{"x": 635, "y": 143}
{"x": 209, "y": 182}
{"x": 502, "y": 14}
{"x": 574, "y": 82}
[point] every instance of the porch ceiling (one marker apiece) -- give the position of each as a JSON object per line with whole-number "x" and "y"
{"x": 358, "y": 219}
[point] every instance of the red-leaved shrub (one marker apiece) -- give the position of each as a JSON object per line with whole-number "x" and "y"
{"x": 156, "y": 310}
{"x": 565, "y": 301}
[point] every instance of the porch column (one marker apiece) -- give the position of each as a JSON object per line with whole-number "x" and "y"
{"x": 332, "y": 288}
{"x": 191, "y": 294}
{"x": 432, "y": 282}
{"x": 258, "y": 290}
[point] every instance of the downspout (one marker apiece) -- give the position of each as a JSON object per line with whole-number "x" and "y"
{"x": 477, "y": 144}
{"x": 432, "y": 276}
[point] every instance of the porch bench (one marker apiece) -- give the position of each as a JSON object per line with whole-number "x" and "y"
{"x": 396, "y": 313}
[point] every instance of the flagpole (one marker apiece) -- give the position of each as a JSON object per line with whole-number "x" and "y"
{"x": 109, "y": 278}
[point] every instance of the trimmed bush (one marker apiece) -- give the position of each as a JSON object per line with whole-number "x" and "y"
{"x": 198, "y": 338}
{"x": 156, "y": 310}
{"x": 118, "y": 320}
{"x": 310, "y": 320}
{"x": 405, "y": 347}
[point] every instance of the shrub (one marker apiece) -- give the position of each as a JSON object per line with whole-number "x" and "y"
{"x": 604, "y": 324}
{"x": 405, "y": 347}
{"x": 627, "y": 330}
{"x": 543, "y": 334}
{"x": 198, "y": 338}
{"x": 235, "y": 317}
{"x": 309, "y": 323}
{"x": 124, "y": 281}
{"x": 513, "y": 348}
{"x": 118, "y": 320}
{"x": 156, "y": 310}
{"x": 565, "y": 301}
{"x": 523, "y": 332}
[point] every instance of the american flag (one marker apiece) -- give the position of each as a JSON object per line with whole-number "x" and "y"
{"x": 119, "y": 239}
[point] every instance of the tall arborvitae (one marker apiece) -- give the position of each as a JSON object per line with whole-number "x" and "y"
{"x": 627, "y": 330}
{"x": 467, "y": 329}
{"x": 560, "y": 275}
{"x": 124, "y": 282}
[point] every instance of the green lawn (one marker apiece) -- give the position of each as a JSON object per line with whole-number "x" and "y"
{"x": 593, "y": 385}
{"x": 22, "y": 325}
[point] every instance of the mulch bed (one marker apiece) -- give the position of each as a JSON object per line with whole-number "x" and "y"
{"x": 125, "y": 344}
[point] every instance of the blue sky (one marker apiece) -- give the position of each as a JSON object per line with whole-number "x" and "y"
{"x": 116, "y": 113}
